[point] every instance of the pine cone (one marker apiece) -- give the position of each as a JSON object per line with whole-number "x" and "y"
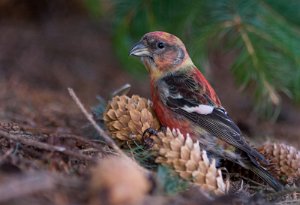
{"x": 189, "y": 161}
{"x": 285, "y": 161}
{"x": 127, "y": 118}
{"x": 117, "y": 181}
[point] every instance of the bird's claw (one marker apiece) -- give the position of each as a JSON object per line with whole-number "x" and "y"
{"x": 150, "y": 131}
{"x": 146, "y": 137}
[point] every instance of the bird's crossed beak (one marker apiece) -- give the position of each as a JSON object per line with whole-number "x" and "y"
{"x": 140, "y": 50}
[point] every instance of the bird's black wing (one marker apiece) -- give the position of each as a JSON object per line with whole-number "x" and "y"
{"x": 184, "y": 95}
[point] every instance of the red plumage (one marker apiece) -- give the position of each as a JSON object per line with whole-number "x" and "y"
{"x": 207, "y": 87}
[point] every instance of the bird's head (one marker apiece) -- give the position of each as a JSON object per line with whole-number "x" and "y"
{"x": 161, "y": 53}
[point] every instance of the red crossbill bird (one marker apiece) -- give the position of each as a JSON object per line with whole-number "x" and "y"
{"x": 184, "y": 99}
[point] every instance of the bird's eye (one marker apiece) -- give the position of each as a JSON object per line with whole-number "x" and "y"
{"x": 160, "y": 45}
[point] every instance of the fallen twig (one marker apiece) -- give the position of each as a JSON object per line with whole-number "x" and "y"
{"x": 44, "y": 146}
{"x": 81, "y": 139}
{"x": 6, "y": 154}
{"x": 101, "y": 132}
{"x": 24, "y": 131}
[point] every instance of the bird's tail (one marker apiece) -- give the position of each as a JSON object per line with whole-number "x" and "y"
{"x": 267, "y": 177}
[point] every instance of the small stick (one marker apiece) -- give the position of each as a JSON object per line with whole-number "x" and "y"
{"x": 44, "y": 146}
{"x": 81, "y": 139}
{"x": 101, "y": 132}
{"x": 6, "y": 154}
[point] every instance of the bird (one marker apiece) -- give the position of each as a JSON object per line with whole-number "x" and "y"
{"x": 183, "y": 99}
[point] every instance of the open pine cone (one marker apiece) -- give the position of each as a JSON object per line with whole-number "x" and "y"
{"x": 189, "y": 161}
{"x": 127, "y": 118}
{"x": 285, "y": 161}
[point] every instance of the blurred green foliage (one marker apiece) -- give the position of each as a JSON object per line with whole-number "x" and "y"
{"x": 94, "y": 8}
{"x": 170, "y": 182}
{"x": 264, "y": 35}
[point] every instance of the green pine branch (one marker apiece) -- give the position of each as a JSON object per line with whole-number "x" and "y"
{"x": 264, "y": 35}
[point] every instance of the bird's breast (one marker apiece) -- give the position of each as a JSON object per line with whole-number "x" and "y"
{"x": 169, "y": 118}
